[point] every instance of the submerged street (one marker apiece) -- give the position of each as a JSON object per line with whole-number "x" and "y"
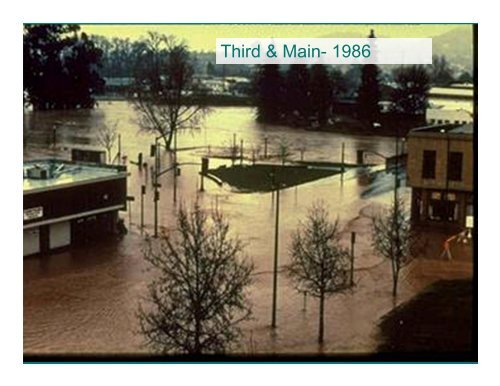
{"x": 86, "y": 300}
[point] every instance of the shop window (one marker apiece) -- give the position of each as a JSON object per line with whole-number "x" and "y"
{"x": 443, "y": 207}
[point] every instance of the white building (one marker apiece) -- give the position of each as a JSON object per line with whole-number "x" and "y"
{"x": 450, "y": 105}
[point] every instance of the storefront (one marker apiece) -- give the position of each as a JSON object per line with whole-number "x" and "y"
{"x": 68, "y": 204}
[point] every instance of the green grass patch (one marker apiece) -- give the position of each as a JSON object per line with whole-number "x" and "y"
{"x": 259, "y": 178}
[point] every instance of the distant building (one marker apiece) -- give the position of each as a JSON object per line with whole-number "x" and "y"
{"x": 440, "y": 169}
{"x": 450, "y": 105}
{"x": 69, "y": 203}
{"x": 439, "y": 116}
{"x": 118, "y": 85}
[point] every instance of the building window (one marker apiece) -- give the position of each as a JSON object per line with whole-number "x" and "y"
{"x": 455, "y": 166}
{"x": 443, "y": 207}
{"x": 429, "y": 164}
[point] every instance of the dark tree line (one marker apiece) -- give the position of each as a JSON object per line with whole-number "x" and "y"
{"x": 61, "y": 67}
{"x": 305, "y": 96}
{"x": 299, "y": 96}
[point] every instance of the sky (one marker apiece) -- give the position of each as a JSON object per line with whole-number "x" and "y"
{"x": 201, "y": 37}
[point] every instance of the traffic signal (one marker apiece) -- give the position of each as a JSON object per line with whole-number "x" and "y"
{"x": 204, "y": 165}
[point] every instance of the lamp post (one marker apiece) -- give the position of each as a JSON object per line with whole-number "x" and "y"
{"x": 275, "y": 265}
{"x": 175, "y": 166}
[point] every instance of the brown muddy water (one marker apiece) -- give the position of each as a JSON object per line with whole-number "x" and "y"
{"x": 85, "y": 300}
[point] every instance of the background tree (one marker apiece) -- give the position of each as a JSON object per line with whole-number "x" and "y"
{"x": 163, "y": 94}
{"x": 412, "y": 87}
{"x": 197, "y": 300}
{"x": 284, "y": 150}
{"x": 106, "y": 136}
{"x": 339, "y": 85}
{"x": 369, "y": 93}
{"x": 60, "y": 67}
{"x": 394, "y": 238}
{"x": 465, "y": 77}
{"x": 319, "y": 265}
{"x": 321, "y": 93}
{"x": 297, "y": 102}
{"x": 441, "y": 72}
{"x": 269, "y": 93}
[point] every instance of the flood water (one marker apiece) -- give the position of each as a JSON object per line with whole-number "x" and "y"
{"x": 85, "y": 301}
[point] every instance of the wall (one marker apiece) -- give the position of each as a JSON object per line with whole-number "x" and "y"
{"x": 417, "y": 143}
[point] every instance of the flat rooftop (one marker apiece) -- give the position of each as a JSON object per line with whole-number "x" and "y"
{"x": 453, "y": 92}
{"x": 468, "y": 128}
{"x": 48, "y": 174}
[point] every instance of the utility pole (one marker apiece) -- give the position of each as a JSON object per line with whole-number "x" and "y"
{"x": 119, "y": 149}
{"x": 234, "y": 150}
{"x": 396, "y": 169}
{"x": 275, "y": 267}
{"x": 155, "y": 184}
{"x": 241, "y": 152}
{"x": 143, "y": 192}
{"x": 342, "y": 161}
{"x": 175, "y": 166}
{"x": 265, "y": 147}
{"x": 353, "y": 240}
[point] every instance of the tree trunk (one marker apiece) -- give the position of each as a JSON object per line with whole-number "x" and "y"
{"x": 321, "y": 332}
{"x": 168, "y": 140}
{"x": 197, "y": 335}
{"x": 395, "y": 277}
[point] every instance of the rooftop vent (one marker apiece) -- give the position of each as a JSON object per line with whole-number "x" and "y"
{"x": 37, "y": 172}
{"x": 44, "y": 172}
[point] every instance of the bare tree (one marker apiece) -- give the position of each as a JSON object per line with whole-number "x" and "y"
{"x": 163, "y": 93}
{"x": 319, "y": 265}
{"x": 394, "y": 238}
{"x": 302, "y": 149}
{"x": 233, "y": 149}
{"x": 106, "y": 136}
{"x": 284, "y": 151}
{"x": 198, "y": 298}
{"x": 256, "y": 149}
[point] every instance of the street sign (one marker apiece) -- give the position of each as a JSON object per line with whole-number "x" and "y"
{"x": 130, "y": 198}
{"x": 33, "y": 213}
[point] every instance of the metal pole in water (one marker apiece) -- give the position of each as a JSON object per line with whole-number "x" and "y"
{"x": 343, "y": 159}
{"x": 143, "y": 192}
{"x": 155, "y": 183}
{"x": 241, "y": 152}
{"x": 275, "y": 268}
{"x": 175, "y": 166}
{"x": 353, "y": 240}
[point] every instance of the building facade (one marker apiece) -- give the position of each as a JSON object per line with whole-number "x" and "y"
{"x": 69, "y": 203}
{"x": 440, "y": 168}
{"x": 450, "y": 105}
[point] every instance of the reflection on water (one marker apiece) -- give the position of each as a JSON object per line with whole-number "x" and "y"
{"x": 85, "y": 300}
